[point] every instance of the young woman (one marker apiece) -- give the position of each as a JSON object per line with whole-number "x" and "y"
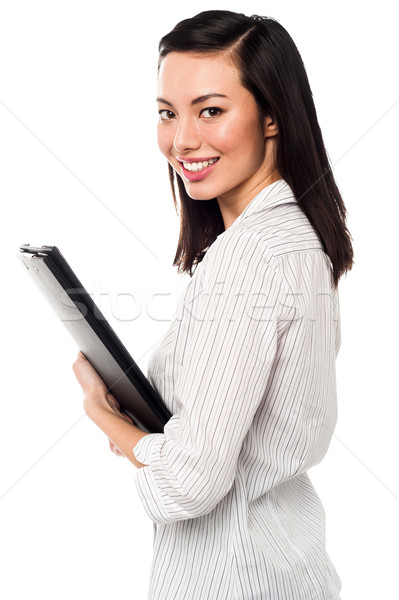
{"x": 247, "y": 366}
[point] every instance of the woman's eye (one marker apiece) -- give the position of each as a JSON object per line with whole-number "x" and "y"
{"x": 166, "y": 115}
{"x": 211, "y": 112}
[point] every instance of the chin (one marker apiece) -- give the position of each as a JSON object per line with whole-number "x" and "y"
{"x": 198, "y": 195}
{"x": 201, "y": 198}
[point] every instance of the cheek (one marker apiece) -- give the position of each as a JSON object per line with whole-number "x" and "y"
{"x": 238, "y": 137}
{"x": 224, "y": 138}
{"x": 165, "y": 139}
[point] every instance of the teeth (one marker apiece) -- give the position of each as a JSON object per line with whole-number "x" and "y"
{"x": 198, "y": 166}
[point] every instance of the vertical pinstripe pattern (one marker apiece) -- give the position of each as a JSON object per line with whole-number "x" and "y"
{"x": 247, "y": 368}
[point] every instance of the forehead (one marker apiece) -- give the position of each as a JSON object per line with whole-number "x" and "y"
{"x": 191, "y": 74}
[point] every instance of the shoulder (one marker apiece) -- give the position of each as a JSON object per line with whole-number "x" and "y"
{"x": 242, "y": 257}
{"x": 283, "y": 247}
{"x": 236, "y": 246}
{"x": 283, "y": 229}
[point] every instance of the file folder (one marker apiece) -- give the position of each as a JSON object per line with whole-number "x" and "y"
{"x": 95, "y": 337}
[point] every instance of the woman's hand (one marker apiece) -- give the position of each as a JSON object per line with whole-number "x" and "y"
{"x": 96, "y": 394}
{"x": 88, "y": 378}
{"x": 115, "y": 405}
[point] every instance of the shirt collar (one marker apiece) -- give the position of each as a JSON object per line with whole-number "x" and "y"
{"x": 273, "y": 194}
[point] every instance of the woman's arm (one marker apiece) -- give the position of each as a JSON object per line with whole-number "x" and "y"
{"x": 102, "y": 408}
{"x": 228, "y": 334}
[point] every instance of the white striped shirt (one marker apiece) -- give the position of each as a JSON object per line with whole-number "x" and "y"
{"x": 247, "y": 369}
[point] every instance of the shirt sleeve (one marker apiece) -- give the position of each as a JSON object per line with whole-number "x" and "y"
{"x": 233, "y": 324}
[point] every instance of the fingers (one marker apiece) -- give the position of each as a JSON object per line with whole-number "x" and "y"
{"x": 114, "y": 404}
{"x": 80, "y": 356}
{"x": 125, "y": 416}
{"x": 115, "y": 449}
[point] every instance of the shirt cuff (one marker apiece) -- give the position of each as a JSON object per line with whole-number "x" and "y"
{"x": 147, "y": 451}
{"x": 144, "y": 448}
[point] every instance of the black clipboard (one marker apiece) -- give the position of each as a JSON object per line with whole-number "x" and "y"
{"x": 95, "y": 337}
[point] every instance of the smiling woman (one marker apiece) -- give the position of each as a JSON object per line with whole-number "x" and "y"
{"x": 231, "y": 135}
{"x": 247, "y": 365}
{"x": 264, "y": 60}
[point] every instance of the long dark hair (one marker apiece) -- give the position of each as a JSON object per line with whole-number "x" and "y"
{"x": 271, "y": 68}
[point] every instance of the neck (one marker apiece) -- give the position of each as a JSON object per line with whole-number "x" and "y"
{"x": 232, "y": 205}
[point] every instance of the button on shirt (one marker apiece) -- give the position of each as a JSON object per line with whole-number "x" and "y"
{"x": 247, "y": 369}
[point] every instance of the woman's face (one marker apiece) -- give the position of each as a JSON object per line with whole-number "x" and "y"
{"x": 210, "y": 129}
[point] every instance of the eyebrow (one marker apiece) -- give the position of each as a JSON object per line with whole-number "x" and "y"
{"x": 196, "y": 100}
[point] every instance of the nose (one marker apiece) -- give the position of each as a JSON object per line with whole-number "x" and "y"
{"x": 187, "y": 136}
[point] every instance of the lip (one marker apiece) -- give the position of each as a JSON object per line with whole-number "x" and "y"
{"x": 199, "y": 175}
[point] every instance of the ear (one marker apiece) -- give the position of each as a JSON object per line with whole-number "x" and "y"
{"x": 270, "y": 126}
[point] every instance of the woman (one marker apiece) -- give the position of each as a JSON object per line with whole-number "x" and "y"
{"x": 247, "y": 366}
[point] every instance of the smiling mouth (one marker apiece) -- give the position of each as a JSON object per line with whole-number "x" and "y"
{"x": 195, "y": 167}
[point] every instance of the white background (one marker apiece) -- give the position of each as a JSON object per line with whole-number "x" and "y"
{"x": 80, "y": 169}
